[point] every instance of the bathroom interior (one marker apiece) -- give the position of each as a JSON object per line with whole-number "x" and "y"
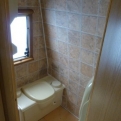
{"x": 67, "y": 38}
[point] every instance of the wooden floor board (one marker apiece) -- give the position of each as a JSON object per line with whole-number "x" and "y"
{"x": 59, "y": 114}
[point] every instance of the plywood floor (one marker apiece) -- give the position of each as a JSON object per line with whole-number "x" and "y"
{"x": 59, "y": 114}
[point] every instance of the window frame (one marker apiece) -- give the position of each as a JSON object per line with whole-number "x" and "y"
{"x": 27, "y": 12}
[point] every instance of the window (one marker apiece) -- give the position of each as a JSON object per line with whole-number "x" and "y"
{"x": 21, "y": 36}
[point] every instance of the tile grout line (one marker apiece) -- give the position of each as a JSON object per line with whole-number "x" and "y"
{"x": 72, "y": 29}
{"x": 83, "y": 14}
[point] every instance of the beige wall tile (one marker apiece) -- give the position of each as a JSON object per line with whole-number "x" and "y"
{"x": 101, "y": 26}
{"x": 63, "y": 48}
{"x": 87, "y": 57}
{"x": 33, "y": 77}
{"x": 55, "y": 74}
{"x": 87, "y": 70}
{"x": 96, "y": 59}
{"x": 61, "y": 19}
{"x": 52, "y": 44}
{"x": 89, "y": 24}
{"x": 103, "y": 7}
{"x": 74, "y": 52}
{"x": 74, "y": 38}
{"x": 49, "y": 52}
{"x": 74, "y": 22}
{"x": 32, "y": 2}
{"x": 98, "y": 44}
{"x": 48, "y": 4}
{"x": 49, "y": 16}
{"x": 36, "y": 14}
{"x": 81, "y": 92}
{"x": 71, "y": 97}
{"x": 43, "y": 73}
{"x": 49, "y": 62}
{"x": 22, "y": 81}
{"x": 33, "y": 67}
{"x": 62, "y": 34}
{"x": 64, "y": 80}
{"x": 74, "y": 76}
{"x": 41, "y": 42}
{"x": 21, "y": 70}
{"x": 88, "y": 42}
{"x": 37, "y": 29}
{"x": 74, "y": 6}
{"x": 60, "y": 4}
{"x": 63, "y": 60}
{"x": 73, "y": 87}
{"x": 42, "y": 64}
{"x": 63, "y": 71}
{"x": 42, "y": 53}
{"x": 55, "y": 65}
{"x": 21, "y": 3}
{"x": 36, "y": 54}
{"x": 84, "y": 80}
{"x": 74, "y": 65}
{"x": 49, "y": 70}
{"x": 54, "y": 55}
{"x": 50, "y": 31}
{"x": 38, "y": 42}
{"x": 90, "y": 6}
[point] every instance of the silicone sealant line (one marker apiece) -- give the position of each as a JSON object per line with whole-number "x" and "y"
{"x": 43, "y": 30}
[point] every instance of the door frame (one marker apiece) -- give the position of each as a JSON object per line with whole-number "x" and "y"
{"x": 105, "y": 100}
{"x": 7, "y": 77}
{"x": 2, "y": 116}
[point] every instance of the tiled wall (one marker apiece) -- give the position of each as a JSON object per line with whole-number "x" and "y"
{"x": 33, "y": 70}
{"x": 73, "y": 31}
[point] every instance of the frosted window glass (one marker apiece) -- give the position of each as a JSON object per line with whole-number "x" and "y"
{"x": 19, "y": 35}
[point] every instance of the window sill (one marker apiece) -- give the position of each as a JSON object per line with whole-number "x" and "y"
{"x": 22, "y": 61}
